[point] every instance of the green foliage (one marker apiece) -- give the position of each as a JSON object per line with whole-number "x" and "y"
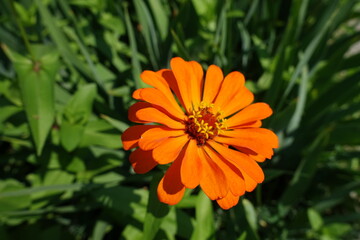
{"x": 67, "y": 72}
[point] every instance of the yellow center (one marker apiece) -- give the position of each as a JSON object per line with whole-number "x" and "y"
{"x": 204, "y": 123}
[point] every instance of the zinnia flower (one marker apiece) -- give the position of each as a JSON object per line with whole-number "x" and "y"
{"x": 213, "y": 139}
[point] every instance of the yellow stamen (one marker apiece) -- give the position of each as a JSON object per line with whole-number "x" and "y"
{"x": 205, "y": 123}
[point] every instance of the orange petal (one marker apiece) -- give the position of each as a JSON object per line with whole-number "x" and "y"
{"x": 163, "y": 80}
{"x": 169, "y": 149}
{"x": 136, "y": 93}
{"x": 259, "y": 140}
{"x": 253, "y": 112}
{"x": 257, "y": 157}
{"x": 132, "y": 135}
{"x": 250, "y": 184}
{"x": 155, "y": 80}
{"x": 233, "y": 176}
{"x": 142, "y": 161}
{"x": 156, "y": 97}
{"x": 183, "y": 74}
{"x": 213, "y": 181}
{"x": 242, "y": 99}
{"x": 213, "y": 80}
{"x": 240, "y": 160}
{"x": 170, "y": 189}
{"x": 191, "y": 166}
{"x": 228, "y": 202}
{"x": 155, "y": 136}
{"x": 230, "y": 87}
{"x": 135, "y": 108}
{"x": 255, "y": 124}
{"x": 169, "y": 77}
{"x": 152, "y": 114}
{"x": 196, "y": 82}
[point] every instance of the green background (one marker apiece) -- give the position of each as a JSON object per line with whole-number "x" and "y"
{"x": 67, "y": 71}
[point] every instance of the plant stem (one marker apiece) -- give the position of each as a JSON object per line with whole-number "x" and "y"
{"x": 22, "y": 30}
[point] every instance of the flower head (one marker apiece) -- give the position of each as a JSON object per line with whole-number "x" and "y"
{"x": 206, "y": 127}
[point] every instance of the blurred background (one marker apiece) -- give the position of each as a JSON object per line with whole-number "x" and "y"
{"x": 67, "y": 71}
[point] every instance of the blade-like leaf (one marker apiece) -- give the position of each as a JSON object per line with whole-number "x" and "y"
{"x": 36, "y": 82}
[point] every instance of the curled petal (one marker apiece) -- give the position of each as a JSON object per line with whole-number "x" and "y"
{"x": 154, "y": 79}
{"x": 191, "y": 167}
{"x": 151, "y": 114}
{"x": 257, "y": 157}
{"x": 131, "y": 136}
{"x": 233, "y": 176}
{"x": 253, "y": 112}
{"x": 136, "y": 94}
{"x": 169, "y": 77}
{"x": 213, "y": 181}
{"x": 156, "y": 97}
{"x": 228, "y": 202}
{"x": 250, "y": 184}
{"x": 135, "y": 108}
{"x": 170, "y": 189}
{"x": 142, "y": 161}
{"x": 169, "y": 149}
{"x": 164, "y": 81}
{"x": 155, "y": 136}
{"x": 240, "y": 160}
{"x": 259, "y": 140}
{"x": 255, "y": 124}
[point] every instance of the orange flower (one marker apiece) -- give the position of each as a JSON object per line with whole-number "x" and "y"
{"x": 213, "y": 139}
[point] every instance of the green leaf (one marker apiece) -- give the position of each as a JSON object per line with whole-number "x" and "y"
{"x": 303, "y": 175}
{"x": 101, "y": 133}
{"x": 344, "y": 133}
{"x": 132, "y": 233}
{"x": 76, "y": 115}
{"x": 242, "y": 236}
{"x": 108, "y": 177}
{"x": 315, "y": 219}
{"x": 11, "y": 91}
{"x": 114, "y": 23}
{"x": 135, "y": 62}
{"x": 8, "y": 202}
{"x": 337, "y": 196}
{"x": 336, "y": 230}
{"x": 101, "y": 227}
{"x": 161, "y": 17}
{"x": 71, "y": 135}
{"x": 79, "y": 108}
{"x": 36, "y": 81}
{"x": 62, "y": 43}
{"x": 148, "y": 31}
{"x": 8, "y": 111}
{"x": 250, "y": 214}
{"x": 156, "y": 211}
{"x": 23, "y": 192}
{"x": 182, "y": 51}
{"x": 123, "y": 199}
{"x": 52, "y": 179}
{"x": 323, "y": 25}
{"x": 300, "y": 105}
{"x": 121, "y": 126}
{"x": 204, "y": 227}
{"x": 57, "y": 177}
